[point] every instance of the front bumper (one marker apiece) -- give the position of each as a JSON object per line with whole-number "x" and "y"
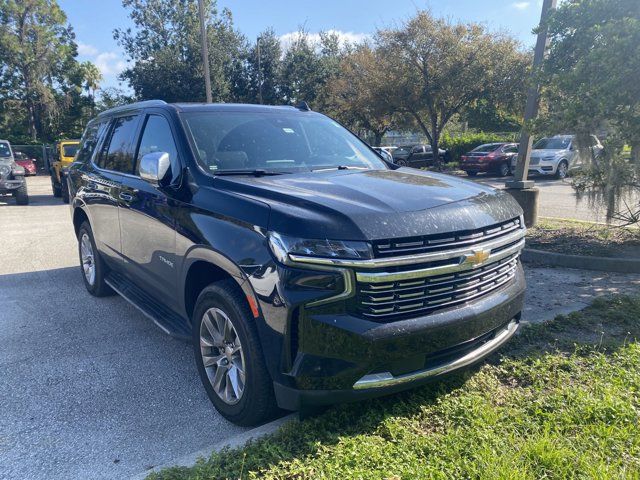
{"x": 344, "y": 358}
{"x": 10, "y": 185}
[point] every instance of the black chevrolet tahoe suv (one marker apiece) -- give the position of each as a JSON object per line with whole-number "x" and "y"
{"x": 303, "y": 268}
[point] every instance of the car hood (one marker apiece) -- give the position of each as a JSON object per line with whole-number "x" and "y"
{"x": 547, "y": 152}
{"x": 372, "y": 204}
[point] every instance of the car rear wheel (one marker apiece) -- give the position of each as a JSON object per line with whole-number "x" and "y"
{"x": 22, "y": 197}
{"x": 229, "y": 355}
{"x": 56, "y": 189}
{"x": 401, "y": 163}
{"x": 64, "y": 189}
{"x": 504, "y": 170}
{"x": 562, "y": 169}
{"x": 92, "y": 265}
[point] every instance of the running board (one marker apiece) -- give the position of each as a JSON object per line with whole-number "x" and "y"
{"x": 165, "y": 318}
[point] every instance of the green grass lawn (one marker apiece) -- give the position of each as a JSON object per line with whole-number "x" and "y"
{"x": 561, "y": 401}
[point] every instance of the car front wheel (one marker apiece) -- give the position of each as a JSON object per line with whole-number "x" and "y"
{"x": 504, "y": 170}
{"x": 562, "y": 169}
{"x": 229, "y": 356}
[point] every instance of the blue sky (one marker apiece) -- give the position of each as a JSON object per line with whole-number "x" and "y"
{"x": 94, "y": 21}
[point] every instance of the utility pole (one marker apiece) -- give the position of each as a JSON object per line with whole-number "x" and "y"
{"x": 205, "y": 50}
{"x": 520, "y": 188}
{"x": 259, "y": 73}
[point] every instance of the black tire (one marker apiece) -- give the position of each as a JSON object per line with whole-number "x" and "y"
{"x": 472, "y": 174}
{"x": 401, "y": 163}
{"x": 560, "y": 172}
{"x": 64, "y": 188}
{"x": 56, "y": 189}
{"x": 257, "y": 402}
{"x": 98, "y": 288}
{"x": 22, "y": 197}
{"x": 504, "y": 170}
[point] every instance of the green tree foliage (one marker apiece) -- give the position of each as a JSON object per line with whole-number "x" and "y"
{"x": 40, "y": 79}
{"x": 590, "y": 78}
{"x": 354, "y": 95}
{"x": 308, "y": 66}
{"x": 262, "y": 71}
{"x": 437, "y": 69}
{"x": 164, "y": 50}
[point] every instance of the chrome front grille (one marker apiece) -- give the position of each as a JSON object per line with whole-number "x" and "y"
{"x": 423, "y": 295}
{"x": 445, "y": 241}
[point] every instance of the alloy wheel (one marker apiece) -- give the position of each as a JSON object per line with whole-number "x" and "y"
{"x": 222, "y": 356}
{"x": 87, "y": 258}
{"x": 562, "y": 170}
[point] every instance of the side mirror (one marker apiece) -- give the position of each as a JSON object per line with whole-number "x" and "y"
{"x": 154, "y": 167}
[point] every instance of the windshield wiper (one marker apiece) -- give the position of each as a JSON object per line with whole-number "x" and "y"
{"x": 338, "y": 167}
{"x": 258, "y": 172}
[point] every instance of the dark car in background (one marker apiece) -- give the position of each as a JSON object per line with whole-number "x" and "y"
{"x": 489, "y": 157}
{"x": 29, "y": 164}
{"x": 416, "y": 156}
{"x": 303, "y": 268}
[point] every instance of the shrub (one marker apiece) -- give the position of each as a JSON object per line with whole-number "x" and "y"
{"x": 461, "y": 144}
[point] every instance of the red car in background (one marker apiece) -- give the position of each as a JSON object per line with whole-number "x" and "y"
{"x": 29, "y": 164}
{"x": 490, "y": 157}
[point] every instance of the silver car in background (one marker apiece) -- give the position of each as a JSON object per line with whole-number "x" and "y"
{"x": 557, "y": 155}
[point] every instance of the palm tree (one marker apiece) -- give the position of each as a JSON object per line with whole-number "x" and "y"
{"x": 91, "y": 81}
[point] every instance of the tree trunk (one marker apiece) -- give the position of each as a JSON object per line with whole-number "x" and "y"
{"x": 435, "y": 146}
{"x": 377, "y": 138}
{"x": 635, "y": 153}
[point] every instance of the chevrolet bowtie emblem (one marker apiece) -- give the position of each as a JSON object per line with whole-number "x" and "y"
{"x": 478, "y": 257}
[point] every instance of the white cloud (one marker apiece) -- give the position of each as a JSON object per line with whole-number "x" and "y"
{"x": 345, "y": 37}
{"x": 86, "y": 49}
{"x": 109, "y": 63}
{"x": 521, "y": 5}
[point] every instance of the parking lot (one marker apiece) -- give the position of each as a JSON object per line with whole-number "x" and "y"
{"x": 93, "y": 389}
{"x": 90, "y": 387}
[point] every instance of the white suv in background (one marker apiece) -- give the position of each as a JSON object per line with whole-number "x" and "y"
{"x": 558, "y": 154}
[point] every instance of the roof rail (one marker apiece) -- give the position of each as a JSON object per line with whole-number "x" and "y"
{"x": 133, "y": 106}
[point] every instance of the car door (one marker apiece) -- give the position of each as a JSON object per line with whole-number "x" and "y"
{"x": 416, "y": 158}
{"x": 103, "y": 181}
{"x": 147, "y": 214}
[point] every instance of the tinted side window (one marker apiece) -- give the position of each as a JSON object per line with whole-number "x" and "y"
{"x": 157, "y": 137}
{"x": 89, "y": 140}
{"x": 510, "y": 149}
{"x": 117, "y": 154}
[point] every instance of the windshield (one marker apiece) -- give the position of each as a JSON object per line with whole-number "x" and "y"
{"x": 553, "y": 143}
{"x": 487, "y": 147}
{"x": 70, "y": 150}
{"x": 4, "y": 150}
{"x": 275, "y": 141}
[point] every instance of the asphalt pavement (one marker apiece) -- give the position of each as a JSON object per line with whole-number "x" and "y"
{"x": 92, "y": 389}
{"x": 89, "y": 387}
{"x": 557, "y": 199}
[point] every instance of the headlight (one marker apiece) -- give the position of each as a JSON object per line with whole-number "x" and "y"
{"x": 283, "y": 245}
{"x": 4, "y": 169}
{"x": 549, "y": 158}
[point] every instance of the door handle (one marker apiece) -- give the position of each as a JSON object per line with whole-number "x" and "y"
{"x": 127, "y": 197}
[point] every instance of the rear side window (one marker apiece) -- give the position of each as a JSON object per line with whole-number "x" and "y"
{"x": 510, "y": 149}
{"x": 117, "y": 154}
{"x": 157, "y": 137}
{"x": 89, "y": 140}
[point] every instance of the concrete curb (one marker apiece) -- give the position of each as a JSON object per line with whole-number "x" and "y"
{"x": 605, "y": 264}
{"x": 237, "y": 441}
